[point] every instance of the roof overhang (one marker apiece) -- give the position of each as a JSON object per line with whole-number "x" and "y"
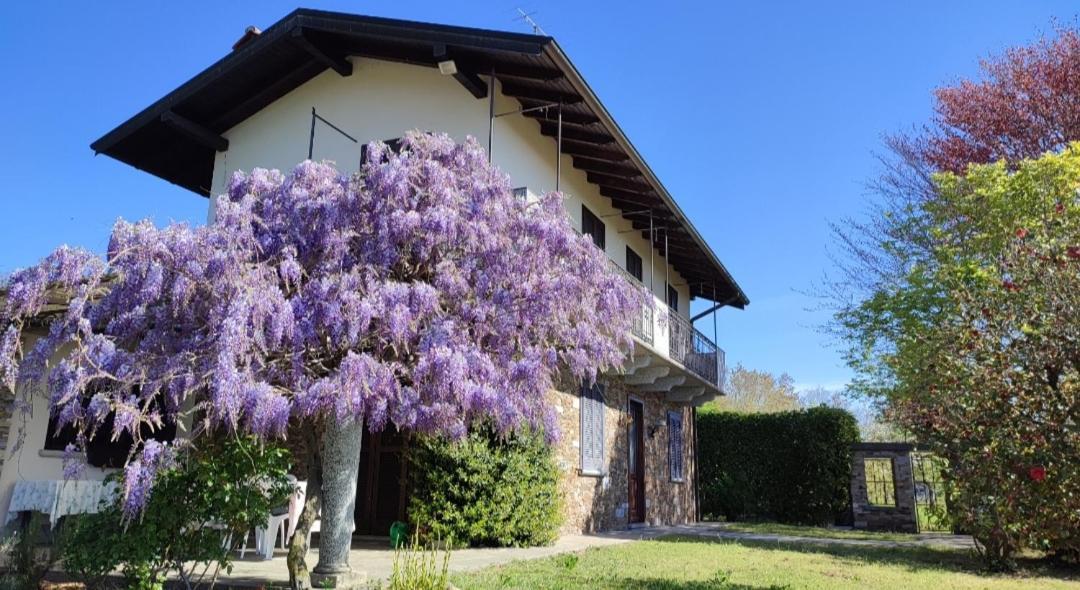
{"x": 176, "y": 137}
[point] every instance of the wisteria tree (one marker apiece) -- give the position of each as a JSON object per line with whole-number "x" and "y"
{"x": 419, "y": 293}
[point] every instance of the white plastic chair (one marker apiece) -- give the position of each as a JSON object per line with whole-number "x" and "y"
{"x": 296, "y": 506}
{"x": 266, "y": 538}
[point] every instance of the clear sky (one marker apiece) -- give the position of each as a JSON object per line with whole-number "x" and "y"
{"x": 761, "y": 118}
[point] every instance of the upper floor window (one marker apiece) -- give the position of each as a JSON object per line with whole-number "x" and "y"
{"x": 633, "y": 263}
{"x": 673, "y": 298}
{"x": 394, "y": 145}
{"x": 592, "y": 226}
{"x": 521, "y": 192}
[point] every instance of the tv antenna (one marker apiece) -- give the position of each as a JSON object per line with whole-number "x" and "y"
{"x": 528, "y": 18}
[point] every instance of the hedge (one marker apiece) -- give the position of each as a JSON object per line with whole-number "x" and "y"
{"x": 791, "y": 467}
{"x": 485, "y": 490}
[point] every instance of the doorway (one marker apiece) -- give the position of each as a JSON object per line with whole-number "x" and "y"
{"x": 381, "y": 488}
{"x": 636, "y": 461}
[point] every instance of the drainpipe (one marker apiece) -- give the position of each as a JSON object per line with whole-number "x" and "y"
{"x": 697, "y": 496}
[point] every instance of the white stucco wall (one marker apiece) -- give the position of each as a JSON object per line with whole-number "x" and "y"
{"x": 30, "y": 462}
{"x": 381, "y": 100}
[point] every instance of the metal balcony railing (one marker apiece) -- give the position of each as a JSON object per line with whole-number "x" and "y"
{"x": 643, "y": 323}
{"x": 694, "y": 350}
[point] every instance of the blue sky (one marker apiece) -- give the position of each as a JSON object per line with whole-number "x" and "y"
{"x": 762, "y": 118}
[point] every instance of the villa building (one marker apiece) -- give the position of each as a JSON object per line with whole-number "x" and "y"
{"x": 321, "y": 85}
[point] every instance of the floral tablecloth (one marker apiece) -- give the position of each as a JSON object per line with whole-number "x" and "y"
{"x": 59, "y": 497}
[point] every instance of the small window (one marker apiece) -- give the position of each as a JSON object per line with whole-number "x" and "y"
{"x": 592, "y": 429}
{"x": 592, "y": 226}
{"x": 675, "y": 445}
{"x": 394, "y": 145}
{"x": 880, "y": 487}
{"x": 102, "y": 450}
{"x": 633, "y": 263}
{"x": 521, "y": 192}
{"x": 673, "y": 298}
{"x": 57, "y": 439}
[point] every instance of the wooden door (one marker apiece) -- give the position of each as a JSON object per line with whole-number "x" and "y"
{"x": 381, "y": 494}
{"x": 636, "y": 461}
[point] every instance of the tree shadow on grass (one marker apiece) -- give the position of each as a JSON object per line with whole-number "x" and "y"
{"x": 912, "y": 558}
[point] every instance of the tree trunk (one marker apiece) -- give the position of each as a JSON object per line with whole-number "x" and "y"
{"x": 299, "y": 576}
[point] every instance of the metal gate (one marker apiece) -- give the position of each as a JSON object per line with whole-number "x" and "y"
{"x": 931, "y": 508}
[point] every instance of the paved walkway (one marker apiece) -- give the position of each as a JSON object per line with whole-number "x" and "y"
{"x": 373, "y": 555}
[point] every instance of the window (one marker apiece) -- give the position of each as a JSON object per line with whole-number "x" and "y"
{"x": 880, "y": 487}
{"x": 58, "y": 439}
{"x": 633, "y": 263}
{"x": 592, "y": 429}
{"x": 394, "y": 145}
{"x": 102, "y": 450}
{"x": 592, "y": 226}
{"x": 675, "y": 445}
{"x": 673, "y": 298}
{"x": 521, "y": 192}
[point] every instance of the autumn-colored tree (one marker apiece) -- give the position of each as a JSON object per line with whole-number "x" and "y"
{"x": 1025, "y": 105}
{"x": 751, "y": 391}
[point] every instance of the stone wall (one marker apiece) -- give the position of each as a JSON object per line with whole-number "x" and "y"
{"x": 902, "y": 516}
{"x": 599, "y": 503}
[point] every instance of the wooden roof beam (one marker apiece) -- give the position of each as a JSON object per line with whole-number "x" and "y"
{"x": 471, "y": 82}
{"x": 339, "y": 64}
{"x": 541, "y": 94}
{"x": 551, "y": 129}
{"x": 619, "y": 182}
{"x": 195, "y": 131}
{"x": 592, "y": 150}
{"x": 625, "y": 169}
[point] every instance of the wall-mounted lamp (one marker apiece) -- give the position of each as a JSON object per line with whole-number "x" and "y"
{"x": 447, "y": 67}
{"x": 655, "y": 427}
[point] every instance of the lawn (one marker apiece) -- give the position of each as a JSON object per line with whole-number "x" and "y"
{"x": 772, "y": 528}
{"x": 691, "y": 563}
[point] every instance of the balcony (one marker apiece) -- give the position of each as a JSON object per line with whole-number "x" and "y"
{"x": 671, "y": 355}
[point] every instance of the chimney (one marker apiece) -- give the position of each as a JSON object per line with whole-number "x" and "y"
{"x": 250, "y": 34}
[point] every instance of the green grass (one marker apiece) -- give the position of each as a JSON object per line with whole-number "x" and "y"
{"x": 690, "y": 563}
{"x": 772, "y": 528}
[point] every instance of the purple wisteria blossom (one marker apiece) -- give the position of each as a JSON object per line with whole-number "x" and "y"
{"x": 419, "y": 293}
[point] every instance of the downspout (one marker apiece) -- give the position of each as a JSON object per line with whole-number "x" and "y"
{"x": 694, "y": 442}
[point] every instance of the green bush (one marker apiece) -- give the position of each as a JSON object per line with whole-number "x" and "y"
{"x": 792, "y": 467}
{"x": 485, "y": 490}
{"x": 221, "y": 491}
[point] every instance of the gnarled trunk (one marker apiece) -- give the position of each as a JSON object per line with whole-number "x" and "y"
{"x": 299, "y": 576}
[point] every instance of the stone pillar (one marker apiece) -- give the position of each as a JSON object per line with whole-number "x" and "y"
{"x": 341, "y": 464}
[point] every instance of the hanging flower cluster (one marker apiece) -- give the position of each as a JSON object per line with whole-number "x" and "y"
{"x": 419, "y": 292}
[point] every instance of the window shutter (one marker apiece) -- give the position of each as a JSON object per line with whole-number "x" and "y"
{"x": 592, "y": 429}
{"x": 675, "y": 445}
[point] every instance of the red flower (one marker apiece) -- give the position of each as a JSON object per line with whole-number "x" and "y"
{"x": 1021, "y": 233}
{"x": 1037, "y": 473}
{"x": 1073, "y": 252}
{"x": 1009, "y": 285}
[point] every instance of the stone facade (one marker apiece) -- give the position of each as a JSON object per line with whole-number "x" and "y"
{"x": 599, "y": 503}
{"x": 902, "y": 516}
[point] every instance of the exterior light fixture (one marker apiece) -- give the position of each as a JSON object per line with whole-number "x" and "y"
{"x": 447, "y": 67}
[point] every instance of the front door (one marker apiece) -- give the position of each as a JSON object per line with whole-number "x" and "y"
{"x": 636, "y": 461}
{"x": 381, "y": 488}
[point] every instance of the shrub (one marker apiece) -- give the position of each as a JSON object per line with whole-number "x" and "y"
{"x": 792, "y": 467}
{"x": 486, "y": 490}
{"x": 221, "y": 491}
